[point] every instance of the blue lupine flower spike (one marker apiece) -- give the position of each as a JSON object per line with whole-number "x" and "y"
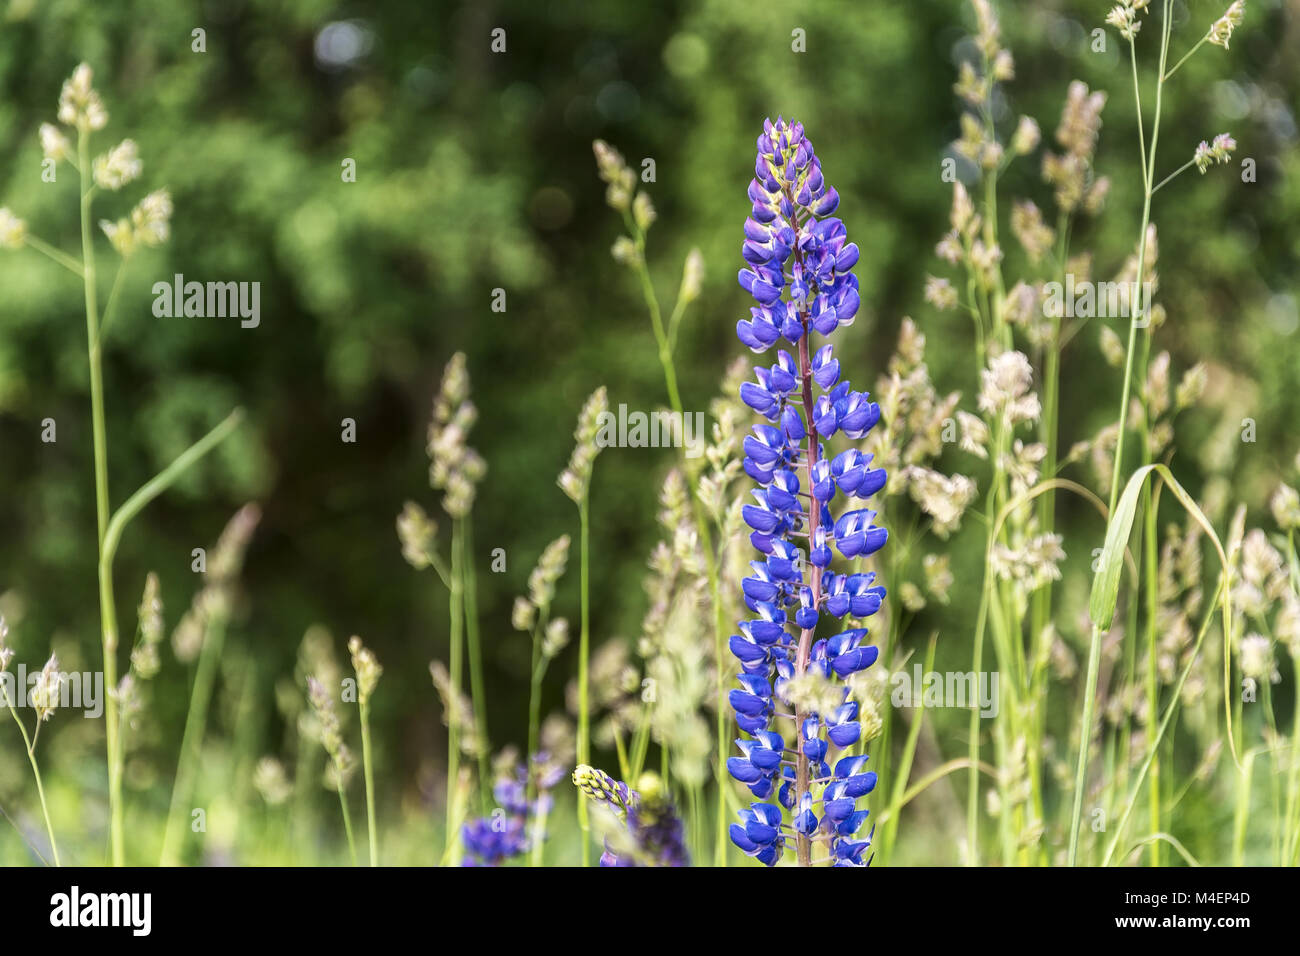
{"x": 798, "y": 268}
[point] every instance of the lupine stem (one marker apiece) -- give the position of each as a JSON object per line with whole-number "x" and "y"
{"x": 803, "y": 844}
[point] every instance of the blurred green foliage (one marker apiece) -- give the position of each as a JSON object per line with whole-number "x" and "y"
{"x": 474, "y": 172}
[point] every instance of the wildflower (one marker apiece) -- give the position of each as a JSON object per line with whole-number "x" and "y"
{"x": 1071, "y": 172}
{"x": 1257, "y": 658}
{"x": 1285, "y": 505}
{"x": 517, "y": 822}
{"x": 44, "y": 695}
{"x": 1124, "y": 18}
{"x": 144, "y": 657}
{"x": 799, "y": 264}
{"x": 1032, "y": 564}
{"x": 13, "y": 231}
{"x": 54, "y": 145}
{"x": 119, "y": 166}
{"x": 270, "y": 781}
{"x": 945, "y": 499}
{"x": 416, "y": 531}
{"x": 1005, "y": 389}
{"x": 1026, "y": 137}
{"x": 1034, "y": 235}
{"x": 1221, "y": 30}
{"x": 613, "y": 170}
{"x": 454, "y": 467}
{"x": 79, "y": 104}
{"x": 643, "y": 827}
{"x": 367, "y": 668}
{"x": 940, "y": 293}
{"x": 330, "y": 733}
{"x": 575, "y": 480}
{"x": 1218, "y": 152}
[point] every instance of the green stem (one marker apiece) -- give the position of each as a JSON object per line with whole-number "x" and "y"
{"x": 58, "y": 255}
{"x": 453, "y": 705}
{"x": 192, "y": 739}
{"x": 368, "y": 766}
{"x": 30, "y": 746}
{"x": 584, "y": 653}
{"x": 347, "y": 820}
{"x": 107, "y": 624}
{"x": 477, "y": 692}
{"x": 1139, "y": 307}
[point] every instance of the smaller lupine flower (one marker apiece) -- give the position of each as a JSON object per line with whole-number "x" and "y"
{"x": 79, "y": 103}
{"x": 416, "y": 531}
{"x": 119, "y": 166}
{"x": 491, "y": 841}
{"x": 44, "y": 695}
{"x": 602, "y": 788}
{"x": 13, "y": 231}
{"x": 54, "y": 145}
{"x": 367, "y": 668}
{"x": 575, "y": 480}
{"x": 1221, "y": 30}
{"x": 1218, "y": 152}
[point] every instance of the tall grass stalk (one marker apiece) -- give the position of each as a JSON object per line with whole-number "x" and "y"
{"x": 1139, "y": 310}
{"x": 29, "y": 744}
{"x": 457, "y": 613}
{"x": 367, "y": 762}
{"x": 584, "y": 659}
{"x": 477, "y": 693}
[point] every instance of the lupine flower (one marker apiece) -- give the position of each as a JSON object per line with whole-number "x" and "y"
{"x": 516, "y": 824}
{"x": 643, "y": 828}
{"x": 798, "y": 270}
